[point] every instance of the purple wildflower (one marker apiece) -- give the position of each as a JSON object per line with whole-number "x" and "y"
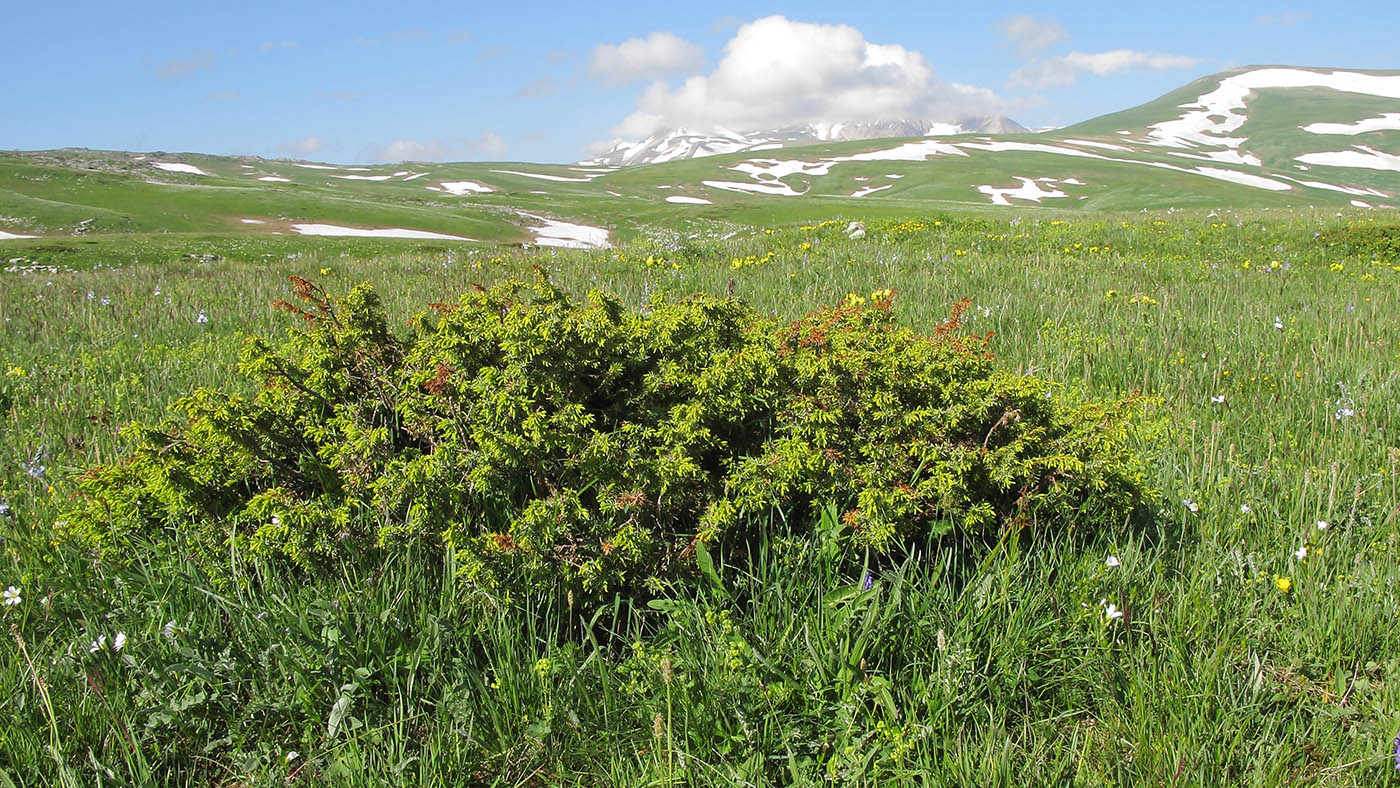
{"x": 869, "y": 582}
{"x": 1397, "y": 752}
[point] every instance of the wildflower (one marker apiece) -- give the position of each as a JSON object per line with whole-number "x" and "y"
{"x": 97, "y": 645}
{"x": 1322, "y": 525}
{"x": 202, "y": 318}
{"x": 1112, "y": 561}
{"x": 1278, "y": 324}
{"x": 11, "y": 596}
{"x": 276, "y": 520}
{"x": 119, "y": 641}
{"x": 1218, "y": 399}
{"x": 169, "y": 630}
{"x": 157, "y": 290}
{"x": 34, "y": 468}
{"x": 1111, "y": 610}
{"x": 1344, "y": 412}
{"x": 292, "y": 755}
{"x": 868, "y": 582}
{"x": 1397, "y": 752}
{"x": 1191, "y": 505}
{"x": 4, "y": 510}
{"x": 105, "y": 301}
{"x": 1244, "y": 508}
{"x": 1283, "y": 584}
{"x": 1301, "y": 553}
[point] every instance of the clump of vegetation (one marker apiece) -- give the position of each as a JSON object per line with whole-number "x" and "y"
{"x": 545, "y": 440}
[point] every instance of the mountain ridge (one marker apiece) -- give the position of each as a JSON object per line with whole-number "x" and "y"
{"x": 681, "y": 143}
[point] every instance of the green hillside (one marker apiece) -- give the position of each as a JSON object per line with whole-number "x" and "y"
{"x": 1179, "y": 151}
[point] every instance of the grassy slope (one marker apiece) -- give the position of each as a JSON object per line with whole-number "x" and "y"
{"x": 994, "y": 667}
{"x": 51, "y": 192}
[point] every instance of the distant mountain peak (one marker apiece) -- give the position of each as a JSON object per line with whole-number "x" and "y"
{"x": 682, "y": 143}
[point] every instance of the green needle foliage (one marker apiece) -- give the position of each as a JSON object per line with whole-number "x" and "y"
{"x": 546, "y": 441}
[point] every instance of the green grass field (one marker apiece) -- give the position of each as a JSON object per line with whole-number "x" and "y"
{"x": 1245, "y": 635}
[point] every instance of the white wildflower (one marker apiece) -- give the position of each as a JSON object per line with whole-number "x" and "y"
{"x": 11, "y": 596}
{"x": 119, "y": 641}
{"x": 1111, "y": 610}
{"x": 1191, "y": 505}
{"x": 1301, "y": 553}
{"x": 1112, "y": 561}
{"x": 1322, "y": 525}
{"x": 97, "y": 645}
{"x": 1218, "y": 399}
{"x": 292, "y": 755}
{"x": 1244, "y": 508}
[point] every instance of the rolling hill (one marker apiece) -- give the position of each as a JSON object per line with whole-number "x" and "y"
{"x": 1258, "y": 137}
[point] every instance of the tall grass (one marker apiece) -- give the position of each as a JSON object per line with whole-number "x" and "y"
{"x": 1275, "y": 384}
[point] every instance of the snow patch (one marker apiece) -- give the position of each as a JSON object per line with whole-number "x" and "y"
{"x": 175, "y": 166}
{"x": 1389, "y": 121}
{"x": 315, "y": 166}
{"x": 1360, "y": 191}
{"x": 1361, "y": 157}
{"x": 274, "y": 179}
{"x": 677, "y": 198}
{"x": 777, "y": 188}
{"x": 544, "y": 177}
{"x": 553, "y": 232}
{"x": 1360, "y": 204}
{"x": 364, "y": 177}
{"x": 359, "y": 232}
{"x": 460, "y": 188}
{"x": 870, "y": 190}
{"x": 1028, "y": 190}
{"x": 252, "y": 221}
{"x": 4, "y": 236}
{"x": 1104, "y": 145}
{"x": 414, "y": 176}
{"x": 894, "y": 176}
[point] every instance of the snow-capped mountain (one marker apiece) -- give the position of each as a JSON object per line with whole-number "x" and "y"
{"x": 675, "y": 144}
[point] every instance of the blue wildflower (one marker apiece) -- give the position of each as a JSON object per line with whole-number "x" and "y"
{"x": 869, "y": 582}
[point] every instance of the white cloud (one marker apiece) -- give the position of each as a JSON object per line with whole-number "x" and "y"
{"x": 304, "y": 147}
{"x": 268, "y": 46}
{"x": 641, "y": 58}
{"x": 488, "y": 144}
{"x": 776, "y": 72}
{"x": 1065, "y": 69}
{"x": 1030, "y": 35}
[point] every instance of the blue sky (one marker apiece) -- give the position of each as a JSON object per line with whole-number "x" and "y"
{"x": 348, "y": 82}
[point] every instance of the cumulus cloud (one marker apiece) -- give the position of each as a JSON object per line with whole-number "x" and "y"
{"x": 776, "y": 72}
{"x": 303, "y": 147}
{"x": 656, "y": 55}
{"x": 178, "y": 67}
{"x": 1030, "y": 35}
{"x": 1065, "y": 69}
{"x": 488, "y": 144}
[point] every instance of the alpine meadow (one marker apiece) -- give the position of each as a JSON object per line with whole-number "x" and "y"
{"x": 859, "y": 451}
